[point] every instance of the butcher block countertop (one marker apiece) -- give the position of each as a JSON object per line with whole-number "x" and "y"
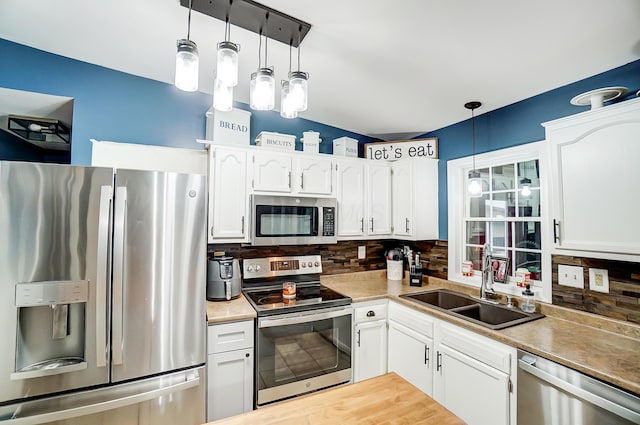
{"x": 601, "y": 347}
{"x": 386, "y": 399}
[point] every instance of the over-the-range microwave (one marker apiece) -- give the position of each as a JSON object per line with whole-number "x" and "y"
{"x": 292, "y": 220}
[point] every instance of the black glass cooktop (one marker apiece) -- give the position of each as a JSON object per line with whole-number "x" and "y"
{"x": 269, "y": 300}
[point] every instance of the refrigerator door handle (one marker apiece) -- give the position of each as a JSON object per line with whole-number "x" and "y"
{"x": 192, "y": 379}
{"x": 119, "y": 229}
{"x": 106, "y": 193}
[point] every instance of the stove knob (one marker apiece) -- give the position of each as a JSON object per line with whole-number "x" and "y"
{"x": 316, "y": 264}
{"x": 257, "y": 267}
{"x": 304, "y": 264}
{"x": 249, "y": 268}
{"x": 310, "y": 264}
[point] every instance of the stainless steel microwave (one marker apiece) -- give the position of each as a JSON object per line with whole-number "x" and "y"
{"x": 292, "y": 220}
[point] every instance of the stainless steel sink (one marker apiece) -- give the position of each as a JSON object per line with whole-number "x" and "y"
{"x": 492, "y": 316}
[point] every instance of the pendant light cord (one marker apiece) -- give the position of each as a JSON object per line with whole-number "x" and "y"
{"x": 299, "y": 31}
{"x": 266, "y": 41}
{"x": 473, "y": 138}
{"x": 189, "y": 22}
{"x": 260, "y": 49}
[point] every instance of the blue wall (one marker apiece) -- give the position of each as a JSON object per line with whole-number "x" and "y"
{"x": 112, "y": 105}
{"x": 519, "y": 123}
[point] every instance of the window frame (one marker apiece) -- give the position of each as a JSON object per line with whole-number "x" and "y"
{"x": 457, "y": 171}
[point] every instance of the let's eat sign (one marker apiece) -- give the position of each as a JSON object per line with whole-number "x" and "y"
{"x": 401, "y": 149}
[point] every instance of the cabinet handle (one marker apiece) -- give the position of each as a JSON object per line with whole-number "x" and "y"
{"x": 301, "y": 180}
{"x": 406, "y": 224}
{"x": 242, "y": 225}
{"x": 358, "y": 337}
{"x": 211, "y": 231}
{"x": 371, "y": 313}
{"x": 371, "y": 224}
{"x": 289, "y": 179}
{"x": 438, "y": 361}
{"x": 246, "y": 355}
{"x": 362, "y": 225}
{"x": 426, "y": 355}
{"x": 556, "y": 231}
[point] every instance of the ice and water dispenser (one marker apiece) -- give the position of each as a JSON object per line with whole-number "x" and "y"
{"x": 50, "y": 328}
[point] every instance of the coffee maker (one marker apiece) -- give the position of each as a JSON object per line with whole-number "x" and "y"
{"x": 223, "y": 278}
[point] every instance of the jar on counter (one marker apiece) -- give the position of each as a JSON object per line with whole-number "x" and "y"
{"x": 528, "y": 305}
{"x": 467, "y": 268}
{"x": 523, "y": 277}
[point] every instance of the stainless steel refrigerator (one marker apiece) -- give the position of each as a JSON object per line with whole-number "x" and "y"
{"x": 102, "y": 307}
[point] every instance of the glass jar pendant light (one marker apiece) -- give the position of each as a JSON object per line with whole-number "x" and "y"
{"x": 299, "y": 84}
{"x": 286, "y": 101}
{"x": 227, "y": 60}
{"x": 262, "y": 90}
{"x": 475, "y": 180}
{"x": 226, "y": 72}
{"x": 187, "y": 61}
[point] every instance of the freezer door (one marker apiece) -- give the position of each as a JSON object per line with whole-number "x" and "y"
{"x": 159, "y": 273}
{"x": 54, "y": 271}
{"x": 175, "y": 398}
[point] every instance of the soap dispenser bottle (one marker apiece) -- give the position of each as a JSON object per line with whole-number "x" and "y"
{"x": 528, "y": 306}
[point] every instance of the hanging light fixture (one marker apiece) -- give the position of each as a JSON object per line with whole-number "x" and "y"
{"x": 475, "y": 181}
{"x": 299, "y": 84}
{"x": 226, "y": 72}
{"x": 187, "y": 61}
{"x": 525, "y": 189}
{"x": 227, "y": 61}
{"x": 262, "y": 90}
{"x": 286, "y": 101}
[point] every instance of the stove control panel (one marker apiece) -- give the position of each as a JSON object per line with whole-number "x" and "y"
{"x": 281, "y": 266}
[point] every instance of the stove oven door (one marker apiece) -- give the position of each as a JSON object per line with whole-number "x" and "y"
{"x": 302, "y": 352}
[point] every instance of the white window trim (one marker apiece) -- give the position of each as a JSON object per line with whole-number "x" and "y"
{"x": 457, "y": 170}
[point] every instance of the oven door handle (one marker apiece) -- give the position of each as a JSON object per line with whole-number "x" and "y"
{"x": 306, "y": 317}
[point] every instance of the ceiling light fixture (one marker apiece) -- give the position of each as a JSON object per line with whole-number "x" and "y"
{"x": 299, "y": 84}
{"x": 287, "y": 109}
{"x": 475, "y": 180}
{"x": 187, "y": 61}
{"x": 262, "y": 90}
{"x": 226, "y": 72}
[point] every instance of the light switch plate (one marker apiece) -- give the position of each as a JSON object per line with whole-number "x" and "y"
{"x": 599, "y": 280}
{"x": 571, "y": 276}
{"x": 362, "y": 252}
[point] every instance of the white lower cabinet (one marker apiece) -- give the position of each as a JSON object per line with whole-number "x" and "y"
{"x": 229, "y": 369}
{"x": 411, "y": 346}
{"x": 467, "y": 373}
{"x": 370, "y": 341}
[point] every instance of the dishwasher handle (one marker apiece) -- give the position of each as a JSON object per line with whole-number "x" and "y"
{"x": 528, "y": 365}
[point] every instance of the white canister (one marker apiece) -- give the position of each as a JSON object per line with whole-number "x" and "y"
{"x": 394, "y": 270}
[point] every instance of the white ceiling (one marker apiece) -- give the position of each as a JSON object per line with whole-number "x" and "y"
{"x": 384, "y": 68}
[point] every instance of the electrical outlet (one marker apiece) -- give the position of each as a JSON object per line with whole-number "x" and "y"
{"x": 570, "y": 276}
{"x": 362, "y": 252}
{"x": 599, "y": 280}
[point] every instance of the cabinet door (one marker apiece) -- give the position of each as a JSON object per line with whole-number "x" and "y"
{"x": 271, "y": 172}
{"x": 229, "y": 383}
{"x": 228, "y": 202}
{"x": 379, "y": 200}
{"x": 350, "y": 177}
{"x": 403, "y": 187}
{"x": 370, "y": 355}
{"x": 314, "y": 176}
{"x": 477, "y": 393}
{"x": 411, "y": 356}
{"x": 595, "y": 176}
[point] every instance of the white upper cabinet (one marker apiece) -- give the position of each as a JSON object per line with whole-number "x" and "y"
{"x": 292, "y": 173}
{"x": 378, "y": 199}
{"x": 595, "y": 175}
{"x": 272, "y": 172}
{"x": 314, "y": 176}
{"x": 415, "y": 199}
{"x": 350, "y": 180}
{"x": 228, "y": 200}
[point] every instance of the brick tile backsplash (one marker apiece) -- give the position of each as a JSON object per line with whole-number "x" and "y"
{"x": 621, "y": 303}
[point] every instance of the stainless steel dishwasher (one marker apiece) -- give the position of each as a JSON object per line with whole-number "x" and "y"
{"x": 552, "y": 394}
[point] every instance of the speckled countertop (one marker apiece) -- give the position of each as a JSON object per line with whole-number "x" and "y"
{"x": 229, "y": 311}
{"x": 600, "y": 347}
